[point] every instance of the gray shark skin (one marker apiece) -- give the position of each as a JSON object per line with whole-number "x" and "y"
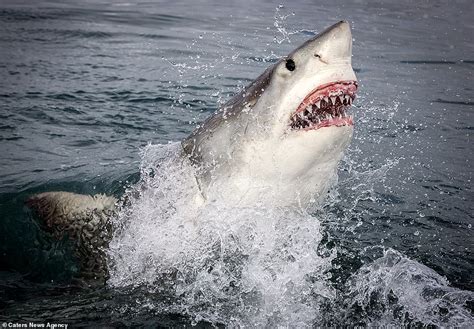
{"x": 278, "y": 142}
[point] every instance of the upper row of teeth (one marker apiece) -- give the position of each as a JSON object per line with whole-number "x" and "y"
{"x": 332, "y": 100}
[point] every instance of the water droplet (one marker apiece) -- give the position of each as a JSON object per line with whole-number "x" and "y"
{"x": 416, "y": 233}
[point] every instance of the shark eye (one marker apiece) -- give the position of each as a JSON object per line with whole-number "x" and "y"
{"x": 290, "y": 64}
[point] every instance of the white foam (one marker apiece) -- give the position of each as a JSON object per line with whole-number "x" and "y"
{"x": 218, "y": 263}
{"x": 261, "y": 266}
{"x": 396, "y": 290}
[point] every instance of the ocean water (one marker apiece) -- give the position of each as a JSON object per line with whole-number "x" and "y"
{"x": 94, "y": 95}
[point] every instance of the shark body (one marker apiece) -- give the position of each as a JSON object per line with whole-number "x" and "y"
{"x": 277, "y": 142}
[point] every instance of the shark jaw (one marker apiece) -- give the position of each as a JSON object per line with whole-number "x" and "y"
{"x": 325, "y": 106}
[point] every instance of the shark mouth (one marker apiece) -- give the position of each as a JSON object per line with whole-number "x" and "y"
{"x": 325, "y": 106}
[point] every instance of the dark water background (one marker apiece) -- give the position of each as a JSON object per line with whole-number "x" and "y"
{"x": 84, "y": 85}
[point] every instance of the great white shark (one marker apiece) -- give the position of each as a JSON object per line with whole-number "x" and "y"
{"x": 278, "y": 142}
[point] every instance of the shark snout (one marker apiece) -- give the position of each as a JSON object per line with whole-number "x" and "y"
{"x": 334, "y": 43}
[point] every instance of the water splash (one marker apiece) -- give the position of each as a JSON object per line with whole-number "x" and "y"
{"x": 260, "y": 266}
{"x": 396, "y": 290}
{"x": 280, "y": 24}
{"x": 241, "y": 266}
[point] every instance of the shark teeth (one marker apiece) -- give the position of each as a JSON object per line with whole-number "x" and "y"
{"x": 323, "y": 110}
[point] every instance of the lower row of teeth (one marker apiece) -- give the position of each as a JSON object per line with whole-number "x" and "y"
{"x": 321, "y": 118}
{"x": 307, "y": 115}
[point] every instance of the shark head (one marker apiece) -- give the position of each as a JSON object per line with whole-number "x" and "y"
{"x": 280, "y": 139}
